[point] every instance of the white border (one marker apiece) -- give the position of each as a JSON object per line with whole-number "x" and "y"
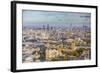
{"x": 35, "y": 65}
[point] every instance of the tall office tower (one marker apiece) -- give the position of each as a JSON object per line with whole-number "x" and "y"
{"x": 48, "y": 27}
{"x": 43, "y": 27}
{"x": 51, "y": 28}
{"x": 85, "y": 30}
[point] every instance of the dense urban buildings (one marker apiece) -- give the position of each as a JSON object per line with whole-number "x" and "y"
{"x": 55, "y": 36}
{"x": 49, "y": 43}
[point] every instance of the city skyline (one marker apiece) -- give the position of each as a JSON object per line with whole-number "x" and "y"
{"x": 55, "y": 36}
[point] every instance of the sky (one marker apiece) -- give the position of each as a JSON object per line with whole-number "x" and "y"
{"x": 38, "y": 18}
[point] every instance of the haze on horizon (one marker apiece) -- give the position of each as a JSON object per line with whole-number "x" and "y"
{"x": 39, "y": 18}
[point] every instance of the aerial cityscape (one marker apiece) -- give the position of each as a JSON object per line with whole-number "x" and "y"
{"x": 55, "y": 36}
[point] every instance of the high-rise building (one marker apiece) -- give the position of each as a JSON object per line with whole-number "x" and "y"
{"x": 43, "y": 27}
{"x": 51, "y": 28}
{"x": 48, "y": 27}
